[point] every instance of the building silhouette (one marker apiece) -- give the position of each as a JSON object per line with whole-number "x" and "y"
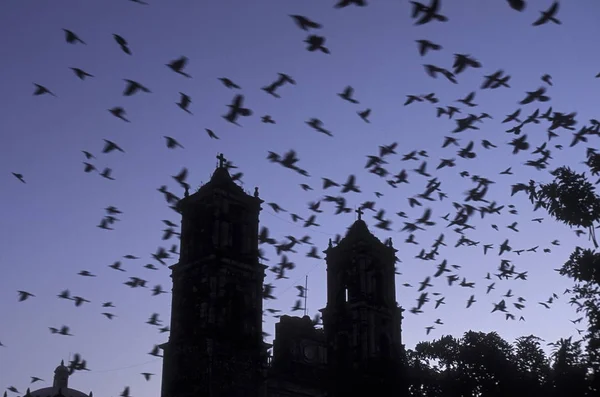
{"x": 60, "y": 386}
{"x": 216, "y": 346}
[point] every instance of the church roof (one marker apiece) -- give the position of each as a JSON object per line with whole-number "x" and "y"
{"x": 358, "y": 232}
{"x": 221, "y": 179}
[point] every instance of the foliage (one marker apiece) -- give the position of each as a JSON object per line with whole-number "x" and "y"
{"x": 480, "y": 364}
{"x": 593, "y": 162}
{"x": 532, "y": 365}
{"x": 569, "y": 371}
{"x": 583, "y": 266}
{"x": 571, "y": 199}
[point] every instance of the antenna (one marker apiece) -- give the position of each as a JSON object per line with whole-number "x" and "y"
{"x": 305, "y": 292}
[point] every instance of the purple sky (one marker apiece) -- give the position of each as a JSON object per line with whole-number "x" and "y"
{"x": 49, "y": 230}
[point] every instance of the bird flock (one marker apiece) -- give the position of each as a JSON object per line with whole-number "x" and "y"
{"x": 454, "y": 221}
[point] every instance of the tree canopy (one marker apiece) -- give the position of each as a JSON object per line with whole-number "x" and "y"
{"x": 484, "y": 364}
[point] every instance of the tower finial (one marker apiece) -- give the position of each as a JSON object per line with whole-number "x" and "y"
{"x": 256, "y": 192}
{"x": 359, "y": 211}
{"x": 221, "y": 159}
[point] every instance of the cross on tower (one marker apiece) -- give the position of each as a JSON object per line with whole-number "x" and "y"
{"x": 221, "y": 159}
{"x": 359, "y": 211}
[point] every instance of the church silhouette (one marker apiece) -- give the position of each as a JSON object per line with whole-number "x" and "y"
{"x": 216, "y": 346}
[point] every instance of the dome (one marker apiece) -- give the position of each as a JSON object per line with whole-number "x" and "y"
{"x": 55, "y": 392}
{"x": 61, "y": 370}
{"x": 60, "y": 387}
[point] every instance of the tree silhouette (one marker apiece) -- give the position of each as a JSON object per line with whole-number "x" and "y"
{"x": 422, "y": 379}
{"x": 571, "y": 198}
{"x": 480, "y": 364}
{"x": 532, "y": 365}
{"x": 569, "y": 371}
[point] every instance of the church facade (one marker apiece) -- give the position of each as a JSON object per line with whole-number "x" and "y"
{"x": 216, "y": 345}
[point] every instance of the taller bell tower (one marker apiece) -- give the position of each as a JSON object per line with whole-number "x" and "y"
{"x": 215, "y": 347}
{"x": 362, "y": 320}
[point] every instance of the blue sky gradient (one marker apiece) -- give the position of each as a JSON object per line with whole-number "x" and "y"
{"x": 49, "y": 231}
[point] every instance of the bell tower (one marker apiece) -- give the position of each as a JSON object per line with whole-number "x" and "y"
{"x": 362, "y": 320}
{"x": 215, "y": 347}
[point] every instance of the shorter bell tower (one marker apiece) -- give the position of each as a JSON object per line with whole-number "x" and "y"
{"x": 362, "y": 320}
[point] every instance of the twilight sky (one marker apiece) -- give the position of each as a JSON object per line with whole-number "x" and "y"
{"x": 49, "y": 231}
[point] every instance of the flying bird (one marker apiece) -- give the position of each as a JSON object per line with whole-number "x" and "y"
{"x": 426, "y": 45}
{"x": 82, "y": 74}
{"x": 19, "y": 176}
{"x": 228, "y": 83}
{"x": 427, "y": 13}
{"x": 178, "y": 65}
{"x": 71, "y": 37}
{"x": 41, "y": 90}
{"x": 122, "y": 44}
{"x": 316, "y": 43}
{"x": 236, "y": 109}
{"x": 305, "y": 23}
{"x": 346, "y": 3}
{"x": 548, "y": 16}
{"x": 134, "y": 87}
{"x": 518, "y": 5}
{"x": 347, "y": 94}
